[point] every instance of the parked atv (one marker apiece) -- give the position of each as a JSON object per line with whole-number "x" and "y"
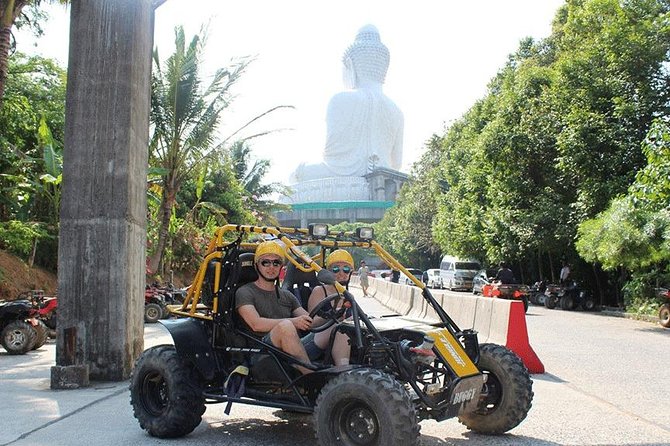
{"x": 507, "y": 291}
{"x": 536, "y": 292}
{"x": 44, "y": 310}
{"x": 18, "y": 330}
{"x": 401, "y": 371}
{"x": 664, "y": 311}
{"x": 155, "y": 304}
{"x": 568, "y": 297}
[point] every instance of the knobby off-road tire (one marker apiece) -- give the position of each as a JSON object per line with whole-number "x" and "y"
{"x": 41, "y": 334}
{"x": 550, "y": 301}
{"x": 152, "y": 313}
{"x": 18, "y": 337}
{"x": 589, "y": 304}
{"x": 166, "y": 393}
{"x": 507, "y": 394}
{"x": 567, "y": 302}
{"x": 664, "y": 315}
{"x": 365, "y": 407}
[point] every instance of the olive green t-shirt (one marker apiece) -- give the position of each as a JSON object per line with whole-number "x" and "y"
{"x": 266, "y": 303}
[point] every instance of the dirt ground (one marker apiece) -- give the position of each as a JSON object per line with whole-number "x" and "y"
{"x": 16, "y": 277}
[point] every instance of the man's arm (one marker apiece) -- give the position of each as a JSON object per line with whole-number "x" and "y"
{"x": 259, "y": 324}
{"x": 255, "y": 321}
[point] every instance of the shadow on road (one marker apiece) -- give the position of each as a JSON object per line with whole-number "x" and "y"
{"x": 548, "y": 377}
{"x": 473, "y": 439}
{"x": 655, "y": 329}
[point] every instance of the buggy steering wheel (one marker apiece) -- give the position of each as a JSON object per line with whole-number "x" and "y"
{"x": 331, "y": 315}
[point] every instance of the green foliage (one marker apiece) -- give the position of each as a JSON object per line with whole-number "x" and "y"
{"x": 250, "y": 173}
{"x": 634, "y": 232}
{"x": 19, "y": 237}
{"x": 31, "y": 135}
{"x": 640, "y": 291}
{"x": 185, "y": 151}
{"x": 406, "y": 229}
{"x": 556, "y": 138}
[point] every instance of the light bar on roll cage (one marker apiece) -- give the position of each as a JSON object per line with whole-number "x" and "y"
{"x": 318, "y": 230}
{"x": 364, "y": 233}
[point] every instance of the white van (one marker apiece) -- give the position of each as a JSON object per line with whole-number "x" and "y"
{"x": 457, "y": 274}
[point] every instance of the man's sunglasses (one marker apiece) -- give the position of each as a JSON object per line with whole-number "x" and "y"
{"x": 345, "y": 269}
{"x": 271, "y": 262}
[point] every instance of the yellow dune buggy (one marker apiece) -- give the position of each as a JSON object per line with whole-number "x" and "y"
{"x": 401, "y": 371}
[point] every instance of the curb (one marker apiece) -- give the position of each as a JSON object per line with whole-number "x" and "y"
{"x": 635, "y": 316}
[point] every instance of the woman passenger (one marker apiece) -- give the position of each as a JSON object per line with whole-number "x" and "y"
{"x": 341, "y": 264}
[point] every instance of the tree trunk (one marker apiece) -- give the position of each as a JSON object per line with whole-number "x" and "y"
{"x": 155, "y": 261}
{"x": 551, "y": 267}
{"x": 10, "y": 11}
{"x": 31, "y": 260}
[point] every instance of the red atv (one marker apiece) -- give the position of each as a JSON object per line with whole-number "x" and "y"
{"x": 664, "y": 311}
{"x": 155, "y": 306}
{"x": 156, "y": 300}
{"x": 507, "y": 291}
{"x": 45, "y": 310}
{"x": 19, "y": 332}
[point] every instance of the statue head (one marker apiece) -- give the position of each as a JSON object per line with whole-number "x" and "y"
{"x": 367, "y": 59}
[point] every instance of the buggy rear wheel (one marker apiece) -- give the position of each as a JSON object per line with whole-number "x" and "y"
{"x": 166, "y": 393}
{"x": 507, "y": 394}
{"x": 18, "y": 337}
{"x": 365, "y": 407}
{"x": 664, "y": 315}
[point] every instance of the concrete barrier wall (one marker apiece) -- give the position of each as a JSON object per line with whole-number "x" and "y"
{"x": 497, "y": 321}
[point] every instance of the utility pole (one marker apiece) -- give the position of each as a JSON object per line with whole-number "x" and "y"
{"x": 101, "y": 255}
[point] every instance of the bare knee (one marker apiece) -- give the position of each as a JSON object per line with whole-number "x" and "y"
{"x": 283, "y": 331}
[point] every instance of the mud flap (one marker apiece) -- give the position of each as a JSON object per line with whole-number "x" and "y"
{"x": 192, "y": 343}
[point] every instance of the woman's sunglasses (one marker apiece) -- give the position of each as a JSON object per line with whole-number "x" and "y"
{"x": 271, "y": 262}
{"x": 345, "y": 269}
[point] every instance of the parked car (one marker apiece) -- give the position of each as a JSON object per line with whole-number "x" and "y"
{"x": 406, "y": 280}
{"x": 433, "y": 278}
{"x": 384, "y": 274}
{"x": 482, "y": 277}
{"x": 457, "y": 273}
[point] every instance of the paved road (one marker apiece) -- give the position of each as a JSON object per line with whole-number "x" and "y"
{"x": 606, "y": 384}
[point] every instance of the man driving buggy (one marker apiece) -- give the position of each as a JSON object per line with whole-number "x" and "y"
{"x": 270, "y": 312}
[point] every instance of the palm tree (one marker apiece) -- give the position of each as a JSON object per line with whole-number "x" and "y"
{"x": 250, "y": 175}
{"x": 185, "y": 117}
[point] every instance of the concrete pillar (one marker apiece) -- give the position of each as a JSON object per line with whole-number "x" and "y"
{"x": 101, "y": 256}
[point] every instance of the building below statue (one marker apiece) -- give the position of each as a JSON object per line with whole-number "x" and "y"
{"x": 337, "y": 199}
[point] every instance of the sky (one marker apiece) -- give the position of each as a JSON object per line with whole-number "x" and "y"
{"x": 443, "y": 55}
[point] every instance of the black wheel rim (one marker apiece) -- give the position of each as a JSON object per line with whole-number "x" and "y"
{"x": 154, "y": 395}
{"x": 356, "y": 423}
{"x": 492, "y": 394}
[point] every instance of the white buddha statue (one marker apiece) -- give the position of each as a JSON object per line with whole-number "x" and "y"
{"x": 364, "y": 126}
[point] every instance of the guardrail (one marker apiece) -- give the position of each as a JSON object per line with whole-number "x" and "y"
{"x": 498, "y": 321}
